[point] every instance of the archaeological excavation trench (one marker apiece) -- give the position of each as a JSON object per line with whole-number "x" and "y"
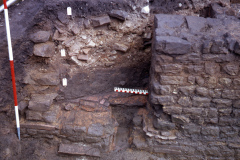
{"x": 184, "y": 53}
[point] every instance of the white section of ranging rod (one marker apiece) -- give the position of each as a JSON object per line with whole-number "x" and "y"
{"x": 17, "y": 121}
{"x": 8, "y": 4}
{"x": 134, "y": 91}
{"x": 69, "y": 11}
{"x": 63, "y": 52}
{"x": 64, "y": 82}
{"x": 8, "y": 35}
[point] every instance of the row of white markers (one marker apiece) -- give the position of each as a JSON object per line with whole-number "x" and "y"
{"x": 134, "y": 91}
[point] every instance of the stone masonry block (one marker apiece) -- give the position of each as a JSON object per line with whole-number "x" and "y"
{"x": 196, "y": 24}
{"x": 210, "y": 131}
{"x": 180, "y": 119}
{"x": 172, "y": 68}
{"x": 166, "y": 100}
{"x": 169, "y": 80}
{"x": 212, "y": 68}
{"x": 163, "y": 125}
{"x": 193, "y": 111}
{"x": 172, "y": 45}
{"x": 185, "y": 101}
{"x": 172, "y": 109}
{"x": 201, "y": 91}
{"x": 168, "y": 21}
{"x": 201, "y": 101}
{"x": 187, "y": 90}
{"x": 191, "y": 129}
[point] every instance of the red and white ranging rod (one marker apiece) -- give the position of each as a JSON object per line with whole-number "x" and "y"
{"x": 134, "y": 91}
{"x": 12, "y": 66}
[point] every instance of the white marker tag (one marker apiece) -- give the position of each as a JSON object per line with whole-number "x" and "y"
{"x": 69, "y": 11}
{"x": 64, "y": 81}
{"x": 63, "y": 52}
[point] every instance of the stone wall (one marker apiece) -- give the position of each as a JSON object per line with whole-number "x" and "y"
{"x": 194, "y": 88}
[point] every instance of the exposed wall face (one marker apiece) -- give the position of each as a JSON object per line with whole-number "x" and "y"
{"x": 195, "y": 88}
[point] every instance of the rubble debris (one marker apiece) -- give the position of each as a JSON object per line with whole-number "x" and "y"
{"x": 122, "y": 15}
{"x": 100, "y": 21}
{"x": 86, "y": 51}
{"x": 83, "y": 57}
{"x": 41, "y": 102}
{"x": 75, "y": 149}
{"x": 40, "y": 36}
{"x": 120, "y": 47}
{"x": 44, "y": 49}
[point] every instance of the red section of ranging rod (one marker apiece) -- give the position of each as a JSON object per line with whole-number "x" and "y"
{"x": 5, "y": 4}
{"x": 13, "y": 83}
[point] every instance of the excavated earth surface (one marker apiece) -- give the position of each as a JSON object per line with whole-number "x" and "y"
{"x": 112, "y": 44}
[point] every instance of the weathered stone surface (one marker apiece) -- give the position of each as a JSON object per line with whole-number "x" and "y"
{"x": 99, "y": 21}
{"x": 212, "y": 112}
{"x": 180, "y": 119}
{"x": 122, "y": 15}
{"x": 163, "y": 125}
{"x": 210, "y": 131}
{"x": 218, "y": 46}
{"x": 193, "y": 111}
{"x": 22, "y": 106}
{"x": 185, "y": 101}
{"x": 226, "y": 102}
{"x": 231, "y": 94}
{"x": 192, "y": 79}
{"x": 163, "y": 59}
{"x": 48, "y": 79}
{"x": 44, "y": 49}
{"x": 226, "y": 121}
{"x": 191, "y": 129}
{"x": 172, "y": 109}
{"x": 162, "y": 89}
{"x": 40, "y": 102}
{"x": 96, "y": 130}
{"x": 171, "y": 21}
{"x": 200, "y": 81}
{"x": 215, "y": 93}
{"x": 225, "y": 82}
{"x": 236, "y": 104}
{"x": 51, "y": 116}
{"x": 40, "y": 36}
{"x": 87, "y": 24}
{"x": 33, "y": 115}
{"x": 188, "y": 58}
{"x": 172, "y": 45}
{"x": 207, "y": 46}
{"x": 225, "y": 111}
{"x": 169, "y": 80}
{"x": 201, "y": 91}
{"x": 172, "y": 68}
{"x": 211, "y": 82}
{"x": 236, "y": 82}
{"x": 201, "y": 102}
{"x": 195, "y": 69}
{"x": 237, "y": 48}
{"x": 165, "y": 32}
{"x": 86, "y": 50}
{"x": 219, "y": 57}
{"x": 83, "y": 57}
{"x": 168, "y": 149}
{"x": 228, "y": 132}
{"x": 76, "y": 149}
{"x": 120, "y": 47}
{"x": 232, "y": 69}
{"x": 196, "y": 24}
{"x": 212, "y": 68}
{"x": 38, "y": 126}
{"x": 137, "y": 120}
{"x": 62, "y": 16}
{"x": 166, "y": 100}
{"x": 137, "y": 100}
{"x": 187, "y": 90}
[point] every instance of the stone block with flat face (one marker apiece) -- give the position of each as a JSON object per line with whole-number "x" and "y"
{"x": 172, "y": 45}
